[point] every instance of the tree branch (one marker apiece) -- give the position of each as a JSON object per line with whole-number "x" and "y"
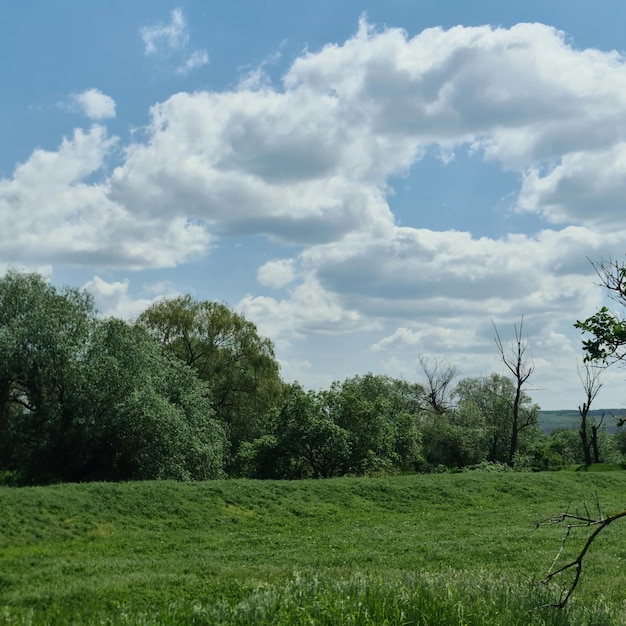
{"x": 575, "y": 521}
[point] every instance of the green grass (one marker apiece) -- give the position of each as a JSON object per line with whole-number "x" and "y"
{"x": 354, "y": 550}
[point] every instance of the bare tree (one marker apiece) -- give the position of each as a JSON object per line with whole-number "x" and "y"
{"x": 514, "y": 358}
{"x": 439, "y": 377}
{"x": 592, "y": 383}
{"x": 576, "y": 520}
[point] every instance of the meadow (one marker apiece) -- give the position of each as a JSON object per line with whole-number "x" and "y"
{"x": 435, "y": 549}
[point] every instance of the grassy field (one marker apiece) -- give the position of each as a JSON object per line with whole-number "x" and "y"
{"x": 427, "y": 549}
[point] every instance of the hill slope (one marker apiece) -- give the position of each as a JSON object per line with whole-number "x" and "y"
{"x": 68, "y": 549}
{"x": 570, "y": 418}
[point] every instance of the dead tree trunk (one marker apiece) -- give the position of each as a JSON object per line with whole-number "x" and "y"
{"x": 592, "y": 385}
{"x": 515, "y": 361}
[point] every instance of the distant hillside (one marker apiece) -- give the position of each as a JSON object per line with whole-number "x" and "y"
{"x": 551, "y": 420}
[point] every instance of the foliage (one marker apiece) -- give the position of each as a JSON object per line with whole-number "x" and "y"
{"x": 381, "y": 416}
{"x": 42, "y": 337}
{"x": 143, "y": 414}
{"x": 365, "y": 425}
{"x": 85, "y": 399}
{"x": 609, "y": 336}
{"x": 481, "y": 426}
{"x": 227, "y": 353}
{"x": 305, "y": 443}
{"x": 607, "y": 328}
{"x": 565, "y": 444}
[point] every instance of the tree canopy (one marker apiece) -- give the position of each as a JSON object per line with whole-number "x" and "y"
{"x": 84, "y": 398}
{"x": 191, "y": 391}
{"x": 227, "y": 353}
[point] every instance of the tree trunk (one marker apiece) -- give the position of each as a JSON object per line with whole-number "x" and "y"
{"x": 515, "y": 425}
{"x": 594, "y": 444}
{"x": 583, "y": 432}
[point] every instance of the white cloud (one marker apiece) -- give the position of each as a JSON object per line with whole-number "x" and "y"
{"x": 163, "y": 38}
{"x": 195, "y": 60}
{"x": 95, "y": 104}
{"x": 171, "y": 41}
{"x": 310, "y": 163}
{"x": 309, "y": 310}
{"x": 48, "y": 213}
{"x": 113, "y": 298}
{"x": 585, "y": 187}
{"x": 276, "y": 274}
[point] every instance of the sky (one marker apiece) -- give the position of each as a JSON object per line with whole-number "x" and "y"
{"x": 369, "y": 182}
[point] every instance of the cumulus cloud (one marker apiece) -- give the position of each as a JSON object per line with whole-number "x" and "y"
{"x": 277, "y": 273}
{"x": 310, "y": 162}
{"x": 308, "y": 310}
{"x": 95, "y": 104}
{"x": 48, "y": 213}
{"x": 585, "y": 187}
{"x": 114, "y": 298}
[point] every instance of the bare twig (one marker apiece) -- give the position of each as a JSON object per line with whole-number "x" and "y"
{"x": 576, "y": 521}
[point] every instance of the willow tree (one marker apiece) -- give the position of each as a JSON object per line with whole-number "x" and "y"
{"x": 227, "y": 352}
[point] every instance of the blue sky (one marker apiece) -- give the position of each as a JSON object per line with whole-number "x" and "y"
{"x": 369, "y": 182}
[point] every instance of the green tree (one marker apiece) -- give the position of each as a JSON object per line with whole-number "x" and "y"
{"x": 491, "y": 400}
{"x": 305, "y": 442}
{"x": 141, "y": 413}
{"x": 565, "y": 443}
{"x": 43, "y": 333}
{"x": 450, "y": 444}
{"x": 607, "y": 328}
{"x": 227, "y": 353}
{"x": 86, "y": 399}
{"x": 381, "y": 415}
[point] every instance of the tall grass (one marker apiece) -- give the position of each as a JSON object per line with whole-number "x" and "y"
{"x": 450, "y": 598}
{"x": 440, "y": 549}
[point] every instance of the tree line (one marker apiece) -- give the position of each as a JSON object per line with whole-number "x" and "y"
{"x": 190, "y": 391}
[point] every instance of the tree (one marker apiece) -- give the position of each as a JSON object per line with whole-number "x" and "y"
{"x": 437, "y": 388}
{"x": 515, "y": 361}
{"x": 588, "y": 433}
{"x": 43, "y": 333}
{"x": 607, "y": 328}
{"x": 565, "y": 442}
{"x": 227, "y": 353}
{"x": 305, "y": 441}
{"x": 575, "y": 521}
{"x": 491, "y": 400}
{"x": 86, "y": 399}
{"x": 140, "y": 413}
{"x": 382, "y": 417}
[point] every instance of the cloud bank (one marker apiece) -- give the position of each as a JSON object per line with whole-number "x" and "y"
{"x": 309, "y": 164}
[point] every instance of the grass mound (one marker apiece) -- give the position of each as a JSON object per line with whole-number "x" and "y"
{"x": 452, "y": 549}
